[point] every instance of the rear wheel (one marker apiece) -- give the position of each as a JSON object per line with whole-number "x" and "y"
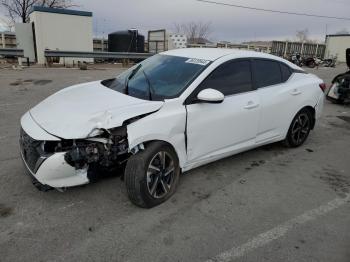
{"x": 312, "y": 64}
{"x": 299, "y": 129}
{"x": 151, "y": 176}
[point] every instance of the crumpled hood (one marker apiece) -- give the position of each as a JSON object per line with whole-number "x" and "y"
{"x": 75, "y": 111}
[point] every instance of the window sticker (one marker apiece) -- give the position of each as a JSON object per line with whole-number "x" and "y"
{"x": 197, "y": 61}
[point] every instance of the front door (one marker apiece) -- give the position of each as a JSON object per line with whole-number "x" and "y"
{"x": 220, "y": 129}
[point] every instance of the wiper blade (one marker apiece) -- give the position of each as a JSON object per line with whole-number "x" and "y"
{"x": 133, "y": 72}
{"x": 150, "y": 88}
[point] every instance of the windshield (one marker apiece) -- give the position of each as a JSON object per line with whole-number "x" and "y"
{"x": 158, "y": 77}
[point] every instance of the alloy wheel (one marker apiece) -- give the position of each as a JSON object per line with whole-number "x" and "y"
{"x": 160, "y": 174}
{"x": 300, "y": 128}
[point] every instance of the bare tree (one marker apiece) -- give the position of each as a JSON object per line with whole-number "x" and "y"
{"x": 177, "y": 28}
{"x": 303, "y": 35}
{"x": 194, "y": 31}
{"x": 19, "y": 9}
{"x": 6, "y": 23}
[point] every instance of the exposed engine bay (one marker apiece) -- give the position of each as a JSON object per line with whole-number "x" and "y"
{"x": 108, "y": 150}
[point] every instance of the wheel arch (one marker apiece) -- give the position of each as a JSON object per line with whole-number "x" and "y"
{"x": 306, "y": 106}
{"x": 179, "y": 155}
{"x": 313, "y": 114}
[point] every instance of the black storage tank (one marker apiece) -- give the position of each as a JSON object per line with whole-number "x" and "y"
{"x": 126, "y": 41}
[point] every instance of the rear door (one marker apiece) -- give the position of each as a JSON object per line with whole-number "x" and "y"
{"x": 218, "y": 129}
{"x": 277, "y": 97}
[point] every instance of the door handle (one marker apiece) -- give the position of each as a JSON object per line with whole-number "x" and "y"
{"x": 295, "y": 92}
{"x": 251, "y": 105}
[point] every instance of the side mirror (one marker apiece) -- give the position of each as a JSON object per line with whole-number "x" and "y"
{"x": 210, "y": 95}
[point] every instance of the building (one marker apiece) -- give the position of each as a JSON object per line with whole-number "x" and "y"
{"x": 176, "y": 41}
{"x": 336, "y": 46}
{"x": 161, "y": 40}
{"x": 100, "y": 45}
{"x": 157, "y": 41}
{"x": 7, "y": 40}
{"x": 61, "y": 29}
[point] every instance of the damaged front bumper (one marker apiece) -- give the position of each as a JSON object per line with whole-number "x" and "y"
{"x": 53, "y": 162}
{"x": 49, "y": 170}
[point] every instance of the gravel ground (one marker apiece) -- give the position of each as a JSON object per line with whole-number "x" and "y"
{"x": 268, "y": 204}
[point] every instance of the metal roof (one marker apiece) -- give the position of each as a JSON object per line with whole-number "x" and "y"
{"x": 60, "y": 11}
{"x": 337, "y": 35}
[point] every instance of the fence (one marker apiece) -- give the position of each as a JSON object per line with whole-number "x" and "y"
{"x": 286, "y": 49}
{"x": 252, "y": 47}
{"x": 11, "y": 52}
{"x": 78, "y": 54}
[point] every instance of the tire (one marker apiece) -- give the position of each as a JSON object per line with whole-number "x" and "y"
{"x": 146, "y": 186}
{"x": 299, "y": 129}
{"x": 312, "y": 64}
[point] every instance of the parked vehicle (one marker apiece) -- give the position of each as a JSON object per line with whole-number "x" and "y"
{"x": 296, "y": 59}
{"x": 169, "y": 114}
{"x": 340, "y": 89}
{"x": 329, "y": 62}
{"x": 309, "y": 62}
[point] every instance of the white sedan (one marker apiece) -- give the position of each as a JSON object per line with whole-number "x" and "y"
{"x": 168, "y": 114}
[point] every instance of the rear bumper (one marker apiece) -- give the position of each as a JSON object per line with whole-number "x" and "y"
{"x": 319, "y": 106}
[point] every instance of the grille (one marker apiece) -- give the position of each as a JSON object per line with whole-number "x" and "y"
{"x": 30, "y": 150}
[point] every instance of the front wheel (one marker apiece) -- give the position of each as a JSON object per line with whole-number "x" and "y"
{"x": 299, "y": 129}
{"x": 152, "y": 175}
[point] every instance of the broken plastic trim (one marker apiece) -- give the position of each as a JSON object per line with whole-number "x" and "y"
{"x": 104, "y": 150}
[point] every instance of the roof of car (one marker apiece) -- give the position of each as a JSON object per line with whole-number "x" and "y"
{"x": 213, "y": 54}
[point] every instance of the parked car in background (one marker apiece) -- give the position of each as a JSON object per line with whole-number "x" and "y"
{"x": 168, "y": 114}
{"x": 339, "y": 92}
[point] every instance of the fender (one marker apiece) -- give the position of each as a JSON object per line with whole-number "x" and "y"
{"x": 168, "y": 125}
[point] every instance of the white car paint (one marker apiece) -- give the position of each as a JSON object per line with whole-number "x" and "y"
{"x": 214, "y": 129}
{"x": 76, "y": 111}
{"x": 211, "y": 95}
{"x": 35, "y": 131}
{"x": 55, "y": 172}
{"x": 289, "y": 98}
{"x": 200, "y": 133}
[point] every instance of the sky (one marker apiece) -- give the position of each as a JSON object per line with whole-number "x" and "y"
{"x": 3, "y": 23}
{"x": 227, "y": 23}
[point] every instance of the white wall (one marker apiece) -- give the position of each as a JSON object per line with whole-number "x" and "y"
{"x": 62, "y": 32}
{"x": 25, "y": 40}
{"x": 336, "y": 45}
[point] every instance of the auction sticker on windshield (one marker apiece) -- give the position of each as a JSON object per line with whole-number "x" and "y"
{"x": 197, "y": 61}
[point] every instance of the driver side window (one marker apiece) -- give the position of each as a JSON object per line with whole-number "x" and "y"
{"x": 230, "y": 78}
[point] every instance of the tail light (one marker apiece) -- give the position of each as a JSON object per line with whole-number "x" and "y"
{"x": 323, "y": 87}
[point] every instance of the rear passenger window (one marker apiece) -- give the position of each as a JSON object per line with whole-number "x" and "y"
{"x": 267, "y": 73}
{"x": 230, "y": 78}
{"x": 286, "y": 72}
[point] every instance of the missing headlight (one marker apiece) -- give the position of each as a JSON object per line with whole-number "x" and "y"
{"x": 107, "y": 150}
